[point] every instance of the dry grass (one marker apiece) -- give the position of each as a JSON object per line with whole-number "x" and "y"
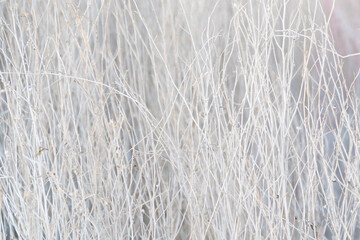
{"x": 177, "y": 120}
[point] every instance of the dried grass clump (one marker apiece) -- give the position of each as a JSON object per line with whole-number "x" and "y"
{"x": 178, "y": 120}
